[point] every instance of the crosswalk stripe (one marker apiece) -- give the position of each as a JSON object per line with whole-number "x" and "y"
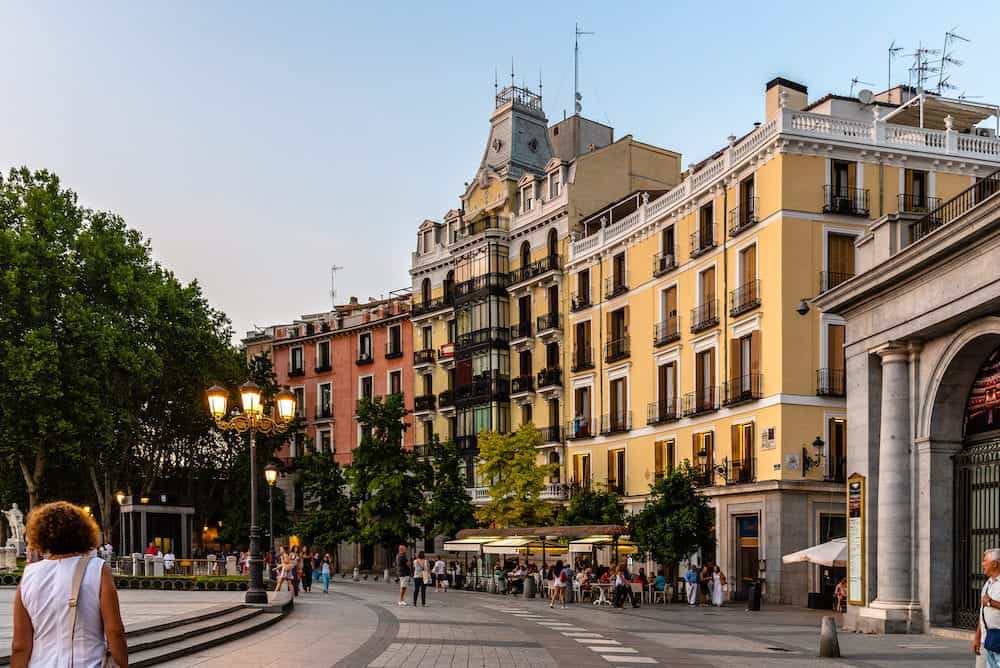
{"x": 606, "y": 649}
{"x": 577, "y": 634}
{"x": 628, "y": 659}
{"x": 597, "y": 641}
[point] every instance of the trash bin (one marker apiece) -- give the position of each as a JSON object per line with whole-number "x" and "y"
{"x": 529, "y": 587}
{"x": 570, "y": 593}
{"x": 753, "y": 601}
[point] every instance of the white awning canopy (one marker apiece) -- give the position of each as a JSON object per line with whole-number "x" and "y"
{"x": 933, "y": 109}
{"x": 469, "y": 544}
{"x": 833, "y": 553}
{"x": 508, "y": 545}
{"x": 587, "y": 544}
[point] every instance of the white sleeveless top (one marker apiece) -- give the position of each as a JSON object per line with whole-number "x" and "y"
{"x": 45, "y": 590}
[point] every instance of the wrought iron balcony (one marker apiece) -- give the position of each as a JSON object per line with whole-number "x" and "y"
{"x": 324, "y": 412}
{"x": 701, "y": 401}
{"x": 705, "y": 316}
{"x": 616, "y": 349}
{"x": 485, "y": 387}
{"x": 364, "y": 357}
{"x": 663, "y": 263}
{"x": 616, "y": 285}
{"x": 583, "y": 359}
{"x": 664, "y": 410}
{"x": 424, "y": 402}
{"x": 741, "y": 471}
{"x": 666, "y": 331}
{"x": 916, "y": 203}
{"x": 551, "y": 434}
{"x": 742, "y": 217}
{"x": 322, "y": 366}
{"x": 616, "y": 422}
{"x": 616, "y": 486}
{"x": 393, "y": 353}
{"x": 425, "y": 356}
{"x": 702, "y": 240}
{"x": 550, "y": 376}
{"x": 580, "y": 301}
{"x": 828, "y": 280}
{"x": 431, "y": 305}
{"x": 522, "y": 384}
{"x": 549, "y": 321}
{"x": 846, "y": 201}
{"x": 521, "y": 330}
{"x": 830, "y": 383}
{"x": 704, "y": 475}
{"x": 580, "y": 427}
{"x": 494, "y": 281}
{"x": 446, "y": 398}
{"x": 951, "y": 209}
{"x": 537, "y": 268}
{"x": 743, "y": 388}
{"x": 836, "y": 470}
{"x": 744, "y": 298}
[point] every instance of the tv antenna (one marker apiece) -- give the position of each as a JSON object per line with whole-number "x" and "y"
{"x": 855, "y": 81}
{"x": 333, "y": 284}
{"x": 948, "y": 59}
{"x": 923, "y": 67}
{"x": 893, "y": 50}
{"x": 577, "y": 98}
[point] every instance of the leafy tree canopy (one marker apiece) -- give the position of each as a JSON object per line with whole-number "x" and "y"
{"x": 449, "y": 509}
{"x": 508, "y": 465}
{"x": 592, "y": 505}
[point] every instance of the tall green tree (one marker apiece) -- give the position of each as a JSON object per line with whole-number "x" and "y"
{"x": 449, "y": 509}
{"x": 676, "y": 521}
{"x": 507, "y": 462}
{"x": 592, "y": 505}
{"x": 385, "y": 483}
{"x": 329, "y": 515}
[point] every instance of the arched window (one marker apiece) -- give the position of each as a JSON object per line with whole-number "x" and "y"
{"x": 553, "y": 243}
{"x": 449, "y": 283}
{"x": 525, "y": 254}
{"x": 425, "y": 290}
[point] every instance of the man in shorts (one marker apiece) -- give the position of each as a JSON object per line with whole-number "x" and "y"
{"x": 404, "y": 573}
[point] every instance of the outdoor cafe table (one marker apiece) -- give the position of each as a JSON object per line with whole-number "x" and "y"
{"x": 601, "y": 587}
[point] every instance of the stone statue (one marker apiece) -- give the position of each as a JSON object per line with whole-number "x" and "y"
{"x": 15, "y": 520}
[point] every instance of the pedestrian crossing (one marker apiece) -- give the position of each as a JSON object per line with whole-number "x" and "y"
{"x": 612, "y": 651}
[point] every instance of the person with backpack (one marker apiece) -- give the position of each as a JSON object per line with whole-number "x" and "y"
{"x": 559, "y": 583}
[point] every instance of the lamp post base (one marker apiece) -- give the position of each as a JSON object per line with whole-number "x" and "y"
{"x": 255, "y": 597}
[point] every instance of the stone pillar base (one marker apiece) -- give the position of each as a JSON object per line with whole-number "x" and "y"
{"x": 886, "y": 617}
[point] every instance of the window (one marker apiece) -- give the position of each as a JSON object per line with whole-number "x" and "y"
{"x": 295, "y": 364}
{"x": 741, "y": 466}
{"x": 619, "y": 277}
{"x": 524, "y": 362}
{"x": 616, "y": 471}
{"x": 748, "y": 266}
{"x": 582, "y": 289}
{"x": 365, "y": 346}
{"x": 706, "y": 286}
{"x": 323, "y": 356}
{"x": 428, "y": 384}
{"x": 668, "y": 312}
{"x": 744, "y": 354}
{"x": 527, "y": 198}
{"x": 552, "y": 356}
{"x": 525, "y": 254}
{"x": 425, "y": 290}
{"x": 324, "y": 442}
{"x": 581, "y": 425}
{"x": 323, "y": 399}
{"x": 553, "y": 243}
{"x": 526, "y": 416}
{"x": 428, "y": 432}
{"x": 582, "y": 355}
{"x": 554, "y": 185}
{"x": 452, "y": 331}
{"x": 394, "y": 346}
{"x": 366, "y": 388}
{"x": 748, "y": 201}
{"x": 300, "y": 401}
{"x": 618, "y": 397}
{"x": 703, "y": 447}
{"x": 839, "y": 259}
{"x": 706, "y": 226}
{"x": 553, "y": 299}
{"x": 396, "y": 382}
{"x": 666, "y": 390}
{"x": 705, "y": 380}
{"x": 581, "y": 470}
{"x": 667, "y": 240}
{"x": 554, "y": 412}
{"x": 843, "y": 175}
{"x": 556, "y": 475}
{"x": 664, "y": 456}
{"x": 427, "y": 334}
{"x": 836, "y": 461}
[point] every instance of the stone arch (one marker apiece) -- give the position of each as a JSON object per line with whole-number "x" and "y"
{"x": 942, "y": 409}
{"x": 553, "y": 242}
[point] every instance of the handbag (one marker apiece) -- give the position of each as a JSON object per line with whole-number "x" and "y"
{"x": 81, "y": 568}
{"x": 991, "y": 640}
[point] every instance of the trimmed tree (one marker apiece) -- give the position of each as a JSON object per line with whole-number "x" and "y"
{"x": 449, "y": 509}
{"x": 676, "y": 521}
{"x": 592, "y": 505}
{"x": 329, "y": 517}
{"x": 516, "y": 482}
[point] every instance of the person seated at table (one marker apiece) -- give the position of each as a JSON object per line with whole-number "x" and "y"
{"x": 605, "y": 577}
{"x": 660, "y": 583}
{"x": 500, "y": 577}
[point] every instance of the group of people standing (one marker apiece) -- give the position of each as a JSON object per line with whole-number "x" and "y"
{"x": 705, "y": 584}
{"x": 419, "y": 573}
{"x": 300, "y": 570}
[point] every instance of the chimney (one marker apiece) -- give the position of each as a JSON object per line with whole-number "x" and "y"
{"x": 782, "y": 92}
{"x": 354, "y": 300}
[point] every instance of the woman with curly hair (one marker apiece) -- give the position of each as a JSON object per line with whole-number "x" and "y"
{"x": 48, "y": 631}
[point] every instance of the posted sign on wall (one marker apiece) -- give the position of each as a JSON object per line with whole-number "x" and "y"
{"x": 856, "y": 540}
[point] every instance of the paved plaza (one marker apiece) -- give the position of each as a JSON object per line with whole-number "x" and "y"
{"x": 359, "y": 624}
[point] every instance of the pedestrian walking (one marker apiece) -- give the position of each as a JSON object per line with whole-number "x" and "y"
{"x": 48, "y": 631}
{"x": 987, "y": 640}
{"x": 440, "y": 577}
{"x": 718, "y": 582}
{"x": 691, "y": 579}
{"x": 560, "y": 580}
{"x": 325, "y": 570}
{"x": 705, "y": 583}
{"x": 404, "y": 573}
{"x": 317, "y": 563}
{"x": 306, "y": 573}
{"x": 295, "y": 564}
{"x": 284, "y": 571}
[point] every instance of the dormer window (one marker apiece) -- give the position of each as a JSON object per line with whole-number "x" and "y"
{"x": 554, "y": 185}
{"x": 527, "y": 197}
{"x": 428, "y": 241}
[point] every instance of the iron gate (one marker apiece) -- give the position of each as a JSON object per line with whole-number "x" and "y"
{"x": 977, "y": 524}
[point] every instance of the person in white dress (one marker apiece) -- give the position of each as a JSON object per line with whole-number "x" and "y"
{"x": 718, "y": 580}
{"x": 45, "y": 632}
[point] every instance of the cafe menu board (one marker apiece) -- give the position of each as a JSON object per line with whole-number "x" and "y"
{"x": 856, "y": 540}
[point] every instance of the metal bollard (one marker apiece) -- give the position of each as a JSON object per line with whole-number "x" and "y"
{"x": 829, "y": 646}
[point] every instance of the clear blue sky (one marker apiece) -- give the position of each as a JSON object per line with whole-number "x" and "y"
{"x": 257, "y": 144}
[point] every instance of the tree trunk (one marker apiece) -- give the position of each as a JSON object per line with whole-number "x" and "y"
{"x": 33, "y": 477}
{"x": 103, "y": 493}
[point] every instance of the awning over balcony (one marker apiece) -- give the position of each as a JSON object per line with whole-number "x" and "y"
{"x": 964, "y": 114}
{"x": 469, "y": 544}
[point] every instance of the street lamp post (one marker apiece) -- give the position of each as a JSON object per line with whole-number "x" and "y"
{"x": 120, "y": 498}
{"x": 271, "y": 475}
{"x": 252, "y": 420}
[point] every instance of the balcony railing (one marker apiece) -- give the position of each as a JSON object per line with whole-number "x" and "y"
{"x": 431, "y": 305}
{"x": 616, "y": 349}
{"x": 912, "y": 203}
{"x": 663, "y": 262}
{"x": 616, "y": 285}
{"x": 322, "y": 366}
{"x": 478, "y": 494}
{"x": 704, "y": 316}
{"x": 580, "y": 301}
{"x": 741, "y": 471}
{"x": 296, "y": 371}
{"x": 549, "y": 321}
{"x": 485, "y": 335}
{"x": 616, "y": 422}
{"x": 522, "y": 384}
{"x": 323, "y": 412}
{"x": 846, "y": 201}
{"x": 484, "y": 388}
{"x": 474, "y": 285}
{"x": 364, "y": 357}
{"x": 702, "y": 243}
{"x": 422, "y": 449}
{"x": 446, "y": 398}
{"x": 551, "y": 434}
{"x": 744, "y": 298}
{"x": 393, "y": 353}
{"x": 537, "y": 268}
{"x": 828, "y": 280}
{"x": 521, "y": 330}
{"x": 466, "y": 443}
{"x": 701, "y": 401}
{"x": 550, "y": 376}
{"x": 424, "y": 402}
{"x": 666, "y": 331}
{"x": 830, "y": 383}
{"x": 836, "y": 470}
{"x": 553, "y": 491}
{"x": 664, "y": 410}
{"x": 580, "y": 427}
{"x": 425, "y": 356}
{"x": 742, "y": 217}
{"x": 748, "y": 387}
{"x": 985, "y": 187}
{"x": 583, "y": 359}
{"x": 616, "y": 486}
{"x": 704, "y": 475}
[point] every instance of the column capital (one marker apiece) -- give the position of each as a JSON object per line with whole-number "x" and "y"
{"x": 893, "y": 351}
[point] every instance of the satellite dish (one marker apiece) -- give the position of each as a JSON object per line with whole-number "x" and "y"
{"x": 865, "y": 96}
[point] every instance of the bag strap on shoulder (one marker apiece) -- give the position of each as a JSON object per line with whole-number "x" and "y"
{"x": 74, "y": 597}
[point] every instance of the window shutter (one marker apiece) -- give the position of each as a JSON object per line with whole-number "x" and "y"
{"x": 755, "y": 352}
{"x": 658, "y": 458}
{"x": 736, "y": 452}
{"x": 852, "y": 175}
{"x": 749, "y": 265}
{"x": 734, "y": 360}
{"x": 611, "y": 465}
{"x": 835, "y": 347}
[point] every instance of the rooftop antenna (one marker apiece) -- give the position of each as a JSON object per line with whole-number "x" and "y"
{"x": 963, "y": 96}
{"x": 512, "y": 71}
{"x": 855, "y": 81}
{"x": 922, "y": 66}
{"x": 948, "y": 59}
{"x": 496, "y": 82}
{"x": 577, "y": 98}
{"x": 333, "y": 284}
{"x": 893, "y": 50}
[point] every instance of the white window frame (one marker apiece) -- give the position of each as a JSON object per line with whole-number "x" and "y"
{"x": 371, "y": 344}
{"x": 660, "y": 306}
{"x": 825, "y": 320}
{"x": 388, "y": 338}
{"x": 319, "y": 440}
{"x": 293, "y": 389}
{"x": 361, "y": 384}
{"x": 698, "y": 283}
{"x": 388, "y": 381}
{"x": 319, "y": 394}
{"x": 302, "y": 356}
{"x": 666, "y": 357}
{"x": 739, "y": 261}
{"x": 834, "y": 229}
{"x": 587, "y": 382}
{"x": 619, "y": 373}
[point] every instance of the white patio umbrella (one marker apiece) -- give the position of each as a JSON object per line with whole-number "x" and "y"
{"x": 833, "y": 553}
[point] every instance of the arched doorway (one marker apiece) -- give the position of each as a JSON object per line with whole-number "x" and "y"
{"x": 977, "y": 490}
{"x": 525, "y": 255}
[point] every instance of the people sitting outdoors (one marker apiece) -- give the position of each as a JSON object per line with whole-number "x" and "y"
{"x": 660, "y": 583}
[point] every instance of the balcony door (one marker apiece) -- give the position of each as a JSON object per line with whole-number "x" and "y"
{"x": 553, "y": 416}
{"x": 619, "y": 324}
{"x": 524, "y": 312}
{"x": 666, "y": 389}
{"x": 746, "y": 200}
{"x": 553, "y": 299}
{"x": 668, "y": 308}
{"x": 582, "y": 342}
{"x": 837, "y": 460}
{"x": 839, "y": 258}
{"x": 552, "y": 356}
{"x": 618, "y": 270}
{"x": 581, "y": 411}
{"x": 619, "y": 403}
{"x": 616, "y": 471}
{"x": 667, "y": 241}
{"x": 706, "y": 285}
{"x": 525, "y": 362}
{"x": 705, "y": 379}
{"x": 583, "y": 287}
{"x": 706, "y": 225}
{"x": 581, "y": 470}
{"x": 843, "y": 175}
